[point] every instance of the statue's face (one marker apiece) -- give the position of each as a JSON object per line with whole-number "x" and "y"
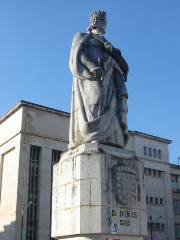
{"x": 101, "y": 25}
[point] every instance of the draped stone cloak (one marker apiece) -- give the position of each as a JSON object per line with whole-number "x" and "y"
{"x": 99, "y": 104}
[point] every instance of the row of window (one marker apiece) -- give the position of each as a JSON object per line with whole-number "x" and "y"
{"x": 152, "y": 152}
{"x": 156, "y": 226}
{"x": 154, "y": 200}
{"x": 152, "y": 172}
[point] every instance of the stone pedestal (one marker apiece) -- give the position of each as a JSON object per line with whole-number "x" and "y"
{"x": 98, "y": 195}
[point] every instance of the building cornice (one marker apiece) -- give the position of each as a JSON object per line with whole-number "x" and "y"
{"x": 67, "y": 114}
{"x": 174, "y": 166}
{"x": 149, "y": 136}
{"x": 32, "y": 105}
{"x": 10, "y": 112}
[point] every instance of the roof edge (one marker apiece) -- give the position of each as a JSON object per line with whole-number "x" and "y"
{"x": 146, "y": 135}
{"x": 174, "y": 165}
{"x": 67, "y": 114}
{"x": 22, "y": 103}
{"x": 14, "y": 109}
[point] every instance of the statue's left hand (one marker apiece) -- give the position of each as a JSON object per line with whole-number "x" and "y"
{"x": 97, "y": 71}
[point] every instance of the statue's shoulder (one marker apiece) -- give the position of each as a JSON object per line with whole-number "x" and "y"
{"x": 80, "y": 36}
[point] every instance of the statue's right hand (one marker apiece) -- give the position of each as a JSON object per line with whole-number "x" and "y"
{"x": 97, "y": 71}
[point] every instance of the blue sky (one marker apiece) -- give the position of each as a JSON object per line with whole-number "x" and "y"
{"x": 35, "y": 42}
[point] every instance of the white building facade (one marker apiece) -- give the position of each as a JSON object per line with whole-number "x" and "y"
{"x": 157, "y": 180}
{"x": 32, "y": 138}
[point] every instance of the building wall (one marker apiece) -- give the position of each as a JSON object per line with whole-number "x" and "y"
{"x": 157, "y": 187}
{"x": 46, "y": 124}
{"x": 9, "y": 173}
{"x": 12, "y": 124}
{"x": 48, "y": 129}
{"x": 175, "y": 171}
{"x": 25, "y": 127}
{"x": 10, "y": 142}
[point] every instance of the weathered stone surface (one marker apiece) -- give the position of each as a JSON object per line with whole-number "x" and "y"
{"x": 84, "y": 180}
{"x": 106, "y": 237}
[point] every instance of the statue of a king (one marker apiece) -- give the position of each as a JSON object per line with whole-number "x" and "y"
{"x": 99, "y": 95}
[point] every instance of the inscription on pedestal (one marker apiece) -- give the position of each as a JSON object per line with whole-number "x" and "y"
{"x": 123, "y": 218}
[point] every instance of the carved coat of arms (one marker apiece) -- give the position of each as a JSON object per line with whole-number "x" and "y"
{"x": 125, "y": 180}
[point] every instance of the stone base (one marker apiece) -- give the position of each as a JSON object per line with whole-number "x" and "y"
{"x": 102, "y": 237}
{"x": 98, "y": 195}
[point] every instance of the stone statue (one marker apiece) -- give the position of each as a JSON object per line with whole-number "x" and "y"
{"x": 99, "y": 95}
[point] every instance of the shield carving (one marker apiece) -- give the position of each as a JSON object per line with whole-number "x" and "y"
{"x": 125, "y": 179}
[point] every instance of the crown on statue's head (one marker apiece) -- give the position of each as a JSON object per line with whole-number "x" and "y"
{"x": 97, "y": 15}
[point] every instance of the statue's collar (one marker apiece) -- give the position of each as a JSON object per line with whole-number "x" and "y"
{"x": 98, "y": 36}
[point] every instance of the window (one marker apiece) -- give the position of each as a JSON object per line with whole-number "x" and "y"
{"x": 174, "y": 178}
{"x": 161, "y": 201}
{"x": 159, "y": 154}
{"x": 150, "y": 152}
{"x": 159, "y": 173}
{"x": 153, "y": 225}
{"x": 149, "y": 171}
{"x": 162, "y": 226}
{"x": 33, "y": 193}
{"x": 154, "y": 200}
{"x": 174, "y": 181}
{"x": 155, "y": 153}
{"x": 177, "y": 230}
{"x": 154, "y": 172}
{"x": 176, "y": 203}
{"x": 145, "y": 150}
{"x": 56, "y": 154}
{"x": 156, "y": 226}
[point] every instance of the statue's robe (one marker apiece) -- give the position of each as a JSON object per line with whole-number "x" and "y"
{"x": 99, "y": 105}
